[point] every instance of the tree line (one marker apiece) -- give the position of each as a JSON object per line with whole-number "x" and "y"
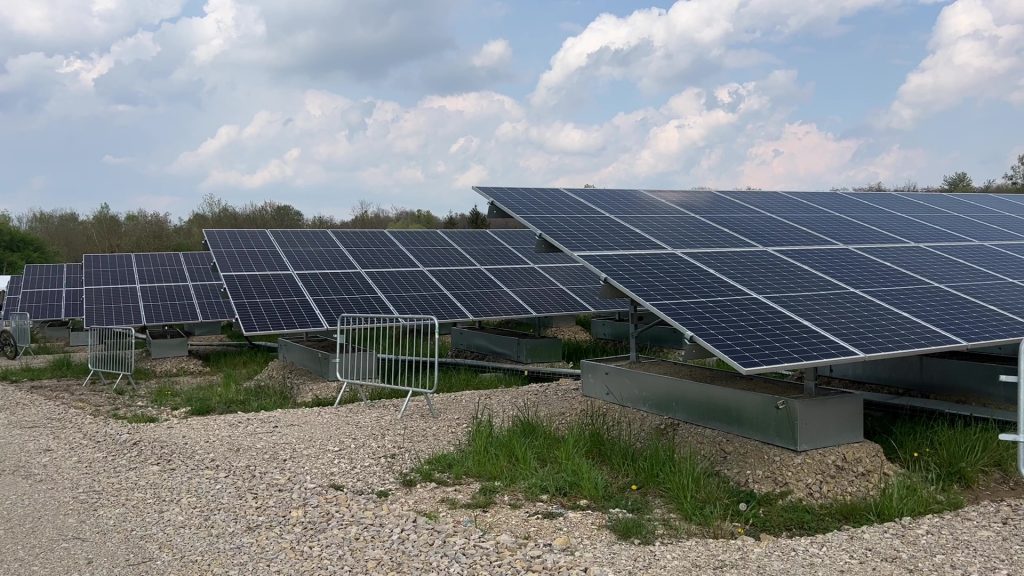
{"x": 62, "y": 235}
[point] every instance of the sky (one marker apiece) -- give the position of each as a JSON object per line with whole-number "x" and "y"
{"x": 323, "y": 103}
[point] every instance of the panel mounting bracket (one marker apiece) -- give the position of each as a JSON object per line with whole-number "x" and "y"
{"x": 493, "y": 211}
{"x": 544, "y": 247}
{"x": 609, "y": 292}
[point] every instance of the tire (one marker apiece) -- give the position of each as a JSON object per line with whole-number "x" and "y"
{"x": 8, "y": 346}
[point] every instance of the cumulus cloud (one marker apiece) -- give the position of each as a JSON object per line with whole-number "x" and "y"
{"x": 654, "y": 46}
{"x": 976, "y": 51}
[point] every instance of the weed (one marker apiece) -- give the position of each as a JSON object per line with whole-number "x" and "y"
{"x": 135, "y": 418}
{"x": 61, "y": 367}
{"x": 337, "y": 486}
{"x": 431, "y": 515}
{"x": 382, "y": 494}
{"x": 225, "y": 397}
{"x": 630, "y": 528}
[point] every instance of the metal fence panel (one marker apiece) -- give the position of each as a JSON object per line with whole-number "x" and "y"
{"x": 21, "y": 329}
{"x": 111, "y": 351}
{"x": 396, "y": 352}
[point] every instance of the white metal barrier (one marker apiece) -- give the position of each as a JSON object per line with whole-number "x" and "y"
{"x": 112, "y": 351}
{"x": 1019, "y": 436}
{"x": 21, "y": 329}
{"x": 396, "y": 352}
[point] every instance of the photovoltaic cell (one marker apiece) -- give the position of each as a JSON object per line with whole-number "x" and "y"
{"x": 843, "y": 230}
{"x": 930, "y": 265}
{"x": 1005, "y": 221}
{"x": 42, "y": 304}
{"x": 969, "y": 228}
{"x": 754, "y": 334}
{"x": 334, "y": 284}
{"x": 239, "y": 240}
{"x": 1017, "y": 249}
{"x": 993, "y": 201}
{"x": 464, "y": 279}
{"x": 109, "y": 270}
{"x": 538, "y": 201}
{"x": 472, "y": 238}
{"x": 954, "y": 314}
{"x": 200, "y": 267}
{"x": 497, "y": 256}
{"x": 852, "y": 268}
{"x": 212, "y": 303}
{"x": 686, "y": 232}
{"x": 769, "y": 231}
{"x": 524, "y": 277}
{"x": 763, "y": 272}
{"x": 898, "y": 204}
{"x": 703, "y": 203}
{"x": 43, "y": 277}
{"x": 439, "y": 257}
{"x": 623, "y": 202}
{"x": 112, "y": 306}
{"x": 491, "y": 304}
{"x": 364, "y": 239}
{"x": 838, "y": 203}
{"x": 334, "y": 307}
{"x": 775, "y": 203}
{"x": 160, "y": 268}
{"x": 572, "y": 275}
{"x": 987, "y": 257}
{"x": 304, "y": 239}
{"x": 73, "y": 276}
{"x": 863, "y": 323}
{"x": 73, "y": 306}
{"x": 593, "y": 234}
{"x": 663, "y": 276}
{"x": 273, "y": 302}
{"x": 907, "y": 228}
{"x": 541, "y": 258}
{"x": 545, "y": 301}
{"x": 950, "y": 203}
{"x": 420, "y": 238}
{"x": 1007, "y": 296}
{"x": 168, "y": 304}
{"x": 437, "y": 304}
{"x": 391, "y": 282}
{"x": 11, "y": 305}
{"x": 381, "y": 258}
{"x": 235, "y": 261}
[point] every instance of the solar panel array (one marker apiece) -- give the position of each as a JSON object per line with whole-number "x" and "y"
{"x": 51, "y": 291}
{"x": 11, "y": 298}
{"x": 283, "y": 281}
{"x": 151, "y": 289}
{"x": 773, "y": 280}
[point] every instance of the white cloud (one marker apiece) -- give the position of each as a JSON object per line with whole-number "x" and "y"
{"x": 493, "y": 54}
{"x": 976, "y": 51}
{"x": 112, "y": 160}
{"x": 802, "y": 155}
{"x": 652, "y": 47}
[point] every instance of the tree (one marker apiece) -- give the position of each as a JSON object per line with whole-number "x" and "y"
{"x": 1015, "y": 177}
{"x": 18, "y": 248}
{"x": 957, "y": 182}
{"x": 477, "y": 219}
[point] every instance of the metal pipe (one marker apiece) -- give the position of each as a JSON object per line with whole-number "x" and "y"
{"x": 810, "y": 381}
{"x": 1019, "y": 436}
{"x": 632, "y": 330}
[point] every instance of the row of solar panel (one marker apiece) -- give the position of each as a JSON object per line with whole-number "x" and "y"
{"x": 12, "y": 295}
{"x": 152, "y": 289}
{"x": 48, "y": 292}
{"x": 595, "y": 220}
{"x": 304, "y": 280}
{"x": 763, "y": 309}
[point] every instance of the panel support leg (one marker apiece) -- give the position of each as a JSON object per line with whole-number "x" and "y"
{"x": 632, "y": 331}
{"x": 810, "y": 381}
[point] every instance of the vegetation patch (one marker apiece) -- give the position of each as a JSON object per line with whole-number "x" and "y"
{"x": 135, "y": 417}
{"x": 62, "y": 367}
{"x": 448, "y": 381}
{"x": 650, "y": 489}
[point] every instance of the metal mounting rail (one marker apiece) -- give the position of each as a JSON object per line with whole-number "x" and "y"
{"x": 1019, "y": 436}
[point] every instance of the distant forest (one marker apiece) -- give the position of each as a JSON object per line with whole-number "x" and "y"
{"x": 63, "y": 235}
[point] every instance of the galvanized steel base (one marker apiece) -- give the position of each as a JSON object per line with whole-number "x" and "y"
{"x": 312, "y": 354}
{"x": 203, "y": 328}
{"x": 618, "y": 330}
{"x": 167, "y": 343}
{"x": 509, "y": 344}
{"x": 78, "y": 338}
{"x": 793, "y": 421}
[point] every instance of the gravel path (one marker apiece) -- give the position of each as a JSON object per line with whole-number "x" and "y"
{"x": 251, "y": 494}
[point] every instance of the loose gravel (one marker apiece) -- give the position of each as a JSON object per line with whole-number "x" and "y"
{"x": 314, "y": 491}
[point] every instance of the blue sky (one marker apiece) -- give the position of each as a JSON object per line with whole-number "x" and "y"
{"x": 322, "y": 103}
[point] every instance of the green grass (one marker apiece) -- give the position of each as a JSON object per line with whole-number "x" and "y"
{"x": 448, "y": 381}
{"x": 232, "y": 391}
{"x": 575, "y": 351}
{"x": 135, "y": 418}
{"x": 584, "y": 321}
{"x": 47, "y": 348}
{"x": 648, "y": 482}
{"x": 61, "y": 367}
{"x": 950, "y": 452}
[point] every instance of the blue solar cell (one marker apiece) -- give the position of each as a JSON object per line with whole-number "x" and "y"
{"x": 522, "y": 277}
{"x": 987, "y": 257}
{"x": 838, "y": 203}
{"x": 843, "y": 230}
{"x": 43, "y": 277}
{"x": 14, "y": 286}
{"x": 364, "y": 239}
{"x": 540, "y": 258}
{"x": 326, "y": 259}
{"x": 238, "y": 240}
{"x": 852, "y": 268}
{"x": 950, "y": 203}
{"x": 775, "y": 203}
{"x": 111, "y": 305}
{"x": 403, "y": 282}
{"x": 593, "y": 234}
{"x": 464, "y": 279}
{"x": 449, "y": 257}
{"x": 624, "y": 202}
{"x": 1007, "y": 222}
{"x": 73, "y": 275}
{"x": 160, "y": 268}
{"x": 863, "y": 323}
{"x": 304, "y": 239}
{"x": 753, "y": 334}
{"x": 496, "y": 256}
{"x": 686, "y": 232}
{"x": 907, "y": 228}
{"x": 1006, "y": 296}
{"x": 492, "y": 304}
{"x": 763, "y": 272}
{"x": 436, "y": 304}
{"x": 931, "y": 265}
{"x": 212, "y": 302}
{"x": 420, "y": 238}
{"x": 702, "y": 203}
{"x": 538, "y": 201}
{"x": 272, "y": 302}
{"x": 993, "y": 201}
{"x": 168, "y": 304}
{"x": 73, "y": 307}
{"x": 472, "y": 238}
{"x": 954, "y": 314}
{"x": 1017, "y": 249}
{"x": 662, "y": 276}
{"x": 11, "y": 305}
{"x": 108, "y": 270}
{"x": 335, "y": 307}
{"x": 547, "y": 301}
{"x": 236, "y": 261}
{"x": 336, "y": 284}
{"x": 42, "y": 304}
{"x": 381, "y": 258}
{"x": 769, "y": 231}
{"x": 896, "y": 203}
{"x": 590, "y": 295}
{"x": 516, "y": 238}
{"x": 574, "y": 275}
{"x": 200, "y": 267}
{"x": 969, "y": 228}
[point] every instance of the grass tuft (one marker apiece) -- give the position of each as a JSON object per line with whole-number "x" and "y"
{"x": 136, "y": 418}
{"x": 62, "y": 367}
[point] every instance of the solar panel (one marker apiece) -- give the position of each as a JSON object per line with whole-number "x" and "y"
{"x": 11, "y": 305}
{"x": 930, "y": 265}
{"x": 859, "y": 322}
{"x": 540, "y": 201}
{"x": 429, "y": 257}
{"x": 212, "y": 303}
{"x": 168, "y": 304}
{"x": 14, "y": 286}
{"x": 73, "y": 307}
{"x": 420, "y": 238}
{"x": 160, "y": 268}
{"x": 73, "y": 276}
{"x": 42, "y": 304}
{"x": 112, "y": 306}
{"x": 686, "y": 232}
{"x": 763, "y": 272}
{"x": 847, "y": 276}
{"x": 545, "y": 301}
{"x": 43, "y": 277}
{"x": 524, "y": 243}
{"x": 473, "y": 238}
{"x": 12, "y": 297}
{"x": 108, "y": 270}
{"x": 497, "y": 256}
{"x": 272, "y": 302}
{"x": 199, "y": 266}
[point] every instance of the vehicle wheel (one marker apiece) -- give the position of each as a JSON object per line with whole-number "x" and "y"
{"x": 8, "y": 346}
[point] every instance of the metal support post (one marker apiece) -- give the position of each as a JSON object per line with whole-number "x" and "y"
{"x": 1019, "y": 436}
{"x": 810, "y": 381}
{"x": 632, "y": 330}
